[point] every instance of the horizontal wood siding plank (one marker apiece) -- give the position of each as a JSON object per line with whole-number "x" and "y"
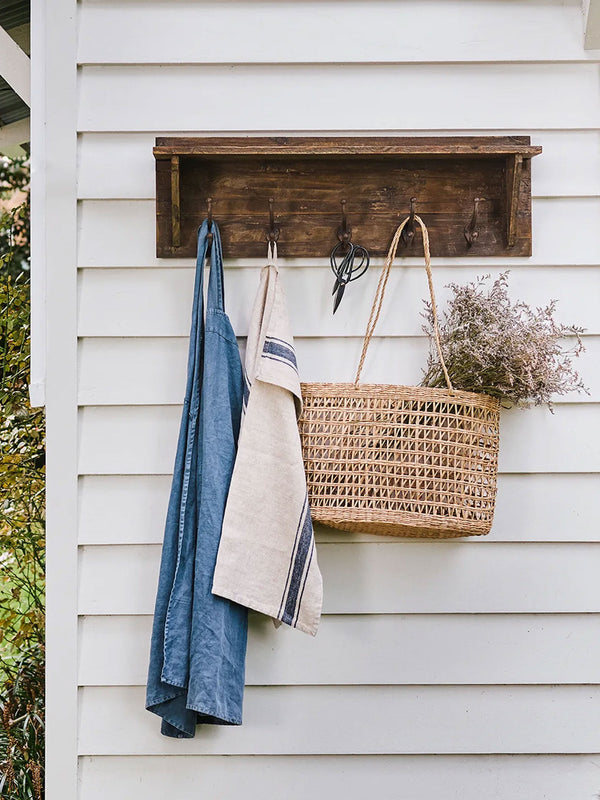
{"x": 157, "y": 302}
{"x": 167, "y": 32}
{"x": 141, "y": 440}
{"x": 119, "y": 509}
{"x": 356, "y": 719}
{"x": 351, "y": 777}
{"x": 388, "y": 578}
{"x": 122, "y": 233}
{"x": 120, "y": 166}
{"x": 151, "y": 371}
{"x": 390, "y": 649}
{"x": 232, "y": 98}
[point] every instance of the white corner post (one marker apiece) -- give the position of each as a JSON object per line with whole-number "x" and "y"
{"x": 54, "y": 278}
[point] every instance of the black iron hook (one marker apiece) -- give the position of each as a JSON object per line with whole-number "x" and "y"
{"x": 471, "y": 230}
{"x": 408, "y": 232}
{"x": 273, "y": 230}
{"x": 344, "y": 232}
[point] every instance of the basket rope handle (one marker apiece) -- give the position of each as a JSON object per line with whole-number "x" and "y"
{"x": 378, "y": 299}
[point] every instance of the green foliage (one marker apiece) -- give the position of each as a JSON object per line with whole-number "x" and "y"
{"x": 21, "y": 520}
{"x": 14, "y": 175}
{"x": 22, "y": 726}
{"x": 21, "y": 479}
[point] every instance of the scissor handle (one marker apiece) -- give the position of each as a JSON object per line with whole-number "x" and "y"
{"x": 347, "y": 270}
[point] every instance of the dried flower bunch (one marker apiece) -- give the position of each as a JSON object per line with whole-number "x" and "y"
{"x": 502, "y": 348}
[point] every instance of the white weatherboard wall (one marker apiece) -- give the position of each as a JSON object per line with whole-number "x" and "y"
{"x": 467, "y": 669}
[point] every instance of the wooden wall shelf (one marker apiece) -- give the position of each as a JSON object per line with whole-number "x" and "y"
{"x": 308, "y": 177}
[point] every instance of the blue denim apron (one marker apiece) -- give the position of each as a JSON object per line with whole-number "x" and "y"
{"x": 198, "y": 645}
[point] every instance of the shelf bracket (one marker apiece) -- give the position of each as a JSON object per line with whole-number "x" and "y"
{"x": 514, "y": 166}
{"x": 175, "y": 203}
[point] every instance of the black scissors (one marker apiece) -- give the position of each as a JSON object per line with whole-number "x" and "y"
{"x": 348, "y": 260}
{"x": 354, "y": 263}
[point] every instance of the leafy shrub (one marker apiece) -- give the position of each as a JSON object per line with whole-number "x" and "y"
{"x": 22, "y": 726}
{"x": 21, "y": 524}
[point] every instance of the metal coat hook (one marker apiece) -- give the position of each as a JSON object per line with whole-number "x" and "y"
{"x": 344, "y": 232}
{"x": 408, "y": 232}
{"x": 471, "y": 230}
{"x": 273, "y": 230}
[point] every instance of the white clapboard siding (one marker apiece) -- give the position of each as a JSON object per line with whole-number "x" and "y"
{"x": 311, "y": 97}
{"x": 354, "y": 777}
{"x": 121, "y": 233}
{"x": 358, "y": 719}
{"x": 389, "y": 578}
{"x": 157, "y": 302}
{"x": 441, "y": 668}
{"x": 119, "y": 509}
{"x": 236, "y": 32}
{"x": 378, "y": 649}
{"x": 120, "y": 166}
{"x": 141, "y": 440}
{"x": 151, "y": 371}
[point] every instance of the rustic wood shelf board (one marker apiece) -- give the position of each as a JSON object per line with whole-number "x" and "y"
{"x": 308, "y": 177}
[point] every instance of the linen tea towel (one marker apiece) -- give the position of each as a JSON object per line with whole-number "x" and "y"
{"x": 267, "y": 558}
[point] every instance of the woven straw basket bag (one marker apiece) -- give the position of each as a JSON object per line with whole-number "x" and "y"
{"x": 400, "y": 460}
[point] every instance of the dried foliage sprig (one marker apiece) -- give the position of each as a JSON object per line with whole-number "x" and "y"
{"x": 502, "y": 348}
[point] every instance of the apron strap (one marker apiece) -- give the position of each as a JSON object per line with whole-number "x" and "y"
{"x": 195, "y": 355}
{"x": 215, "y": 298}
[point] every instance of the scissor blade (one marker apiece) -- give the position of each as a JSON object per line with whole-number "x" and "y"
{"x": 338, "y": 296}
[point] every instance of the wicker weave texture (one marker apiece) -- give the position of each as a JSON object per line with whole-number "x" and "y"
{"x": 400, "y": 460}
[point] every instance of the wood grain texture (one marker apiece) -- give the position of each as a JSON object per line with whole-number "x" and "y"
{"x": 131, "y": 509}
{"x": 410, "y": 577}
{"x": 378, "y": 649}
{"x": 308, "y": 177}
{"x": 367, "y": 147}
{"x": 357, "y": 719}
{"x": 353, "y": 777}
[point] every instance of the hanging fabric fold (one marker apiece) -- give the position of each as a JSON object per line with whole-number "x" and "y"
{"x": 198, "y": 646}
{"x": 267, "y": 557}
